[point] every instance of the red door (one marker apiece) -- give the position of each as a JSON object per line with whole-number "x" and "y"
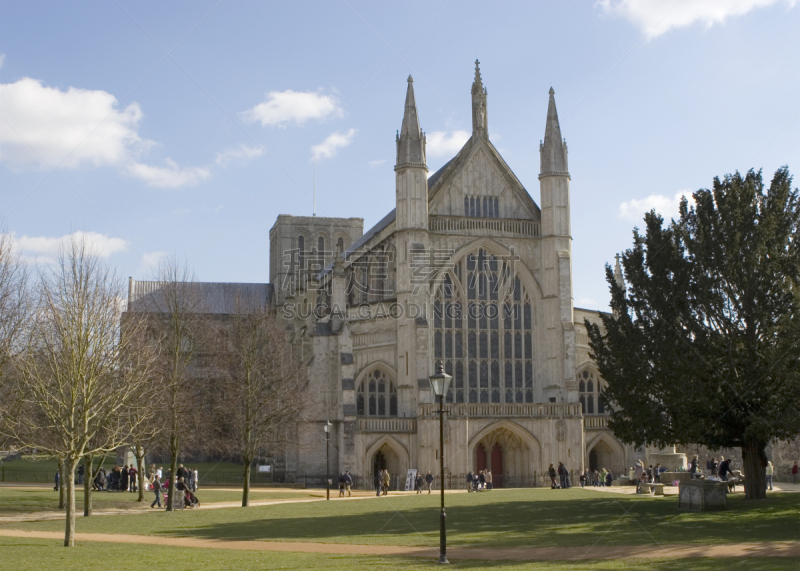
{"x": 497, "y": 466}
{"x": 480, "y": 458}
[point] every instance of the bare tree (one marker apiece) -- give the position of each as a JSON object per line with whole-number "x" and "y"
{"x": 78, "y": 378}
{"x": 264, "y": 390}
{"x": 14, "y": 321}
{"x": 177, "y": 319}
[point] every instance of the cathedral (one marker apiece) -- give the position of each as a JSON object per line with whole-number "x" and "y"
{"x": 467, "y": 270}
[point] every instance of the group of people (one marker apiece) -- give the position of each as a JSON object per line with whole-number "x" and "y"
{"x": 419, "y": 482}
{"x": 562, "y": 473}
{"x": 603, "y": 478}
{"x": 381, "y": 481}
{"x": 185, "y": 484}
{"x": 345, "y": 482}
{"x": 480, "y": 481}
{"x": 119, "y": 479}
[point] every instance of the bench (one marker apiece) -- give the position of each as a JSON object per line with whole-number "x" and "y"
{"x": 655, "y": 489}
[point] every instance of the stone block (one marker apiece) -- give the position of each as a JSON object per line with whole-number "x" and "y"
{"x": 348, "y": 384}
{"x": 702, "y": 495}
{"x": 349, "y": 409}
{"x": 347, "y": 358}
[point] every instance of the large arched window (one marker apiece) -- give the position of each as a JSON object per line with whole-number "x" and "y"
{"x": 301, "y": 251}
{"x": 483, "y": 331}
{"x": 589, "y": 391}
{"x": 376, "y": 396}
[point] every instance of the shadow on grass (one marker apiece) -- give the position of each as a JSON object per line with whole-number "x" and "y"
{"x": 492, "y": 522}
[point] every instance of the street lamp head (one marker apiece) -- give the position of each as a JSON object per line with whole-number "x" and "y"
{"x": 328, "y": 425}
{"x": 440, "y": 381}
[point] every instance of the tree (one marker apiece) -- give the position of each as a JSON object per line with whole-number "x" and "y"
{"x": 264, "y": 390}
{"x": 703, "y": 346}
{"x": 77, "y": 378}
{"x": 177, "y": 330}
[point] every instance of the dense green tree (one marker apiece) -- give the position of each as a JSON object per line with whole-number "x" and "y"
{"x": 704, "y": 340}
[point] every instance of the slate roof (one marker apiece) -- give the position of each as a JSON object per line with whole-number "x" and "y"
{"x": 214, "y": 298}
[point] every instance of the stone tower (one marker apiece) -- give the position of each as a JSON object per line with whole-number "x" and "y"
{"x": 556, "y": 252}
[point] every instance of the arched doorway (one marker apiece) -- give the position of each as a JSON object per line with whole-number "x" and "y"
{"x": 385, "y": 457}
{"x": 603, "y": 455}
{"x": 508, "y": 456}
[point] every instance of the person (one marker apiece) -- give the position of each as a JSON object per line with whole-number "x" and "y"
{"x": 657, "y": 473}
{"x": 642, "y": 480}
{"x": 769, "y": 471}
{"x": 481, "y": 480}
{"x": 386, "y": 480}
{"x": 348, "y": 481}
{"x": 724, "y": 469}
{"x": 194, "y": 479}
{"x": 123, "y": 478}
{"x": 637, "y": 473}
{"x": 795, "y": 472}
{"x": 429, "y": 481}
{"x": 609, "y": 479}
{"x": 378, "y": 480}
{"x": 159, "y": 473}
{"x": 58, "y": 478}
{"x": 562, "y": 473}
{"x": 693, "y": 467}
{"x": 157, "y": 490}
{"x": 488, "y": 479}
{"x": 418, "y": 483}
{"x": 583, "y": 478}
{"x": 100, "y": 479}
{"x": 80, "y": 474}
{"x": 132, "y": 478}
{"x": 552, "y": 473}
{"x": 341, "y": 485}
{"x": 470, "y": 479}
{"x": 602, "y": 478}
{"x": 713, "y": 465}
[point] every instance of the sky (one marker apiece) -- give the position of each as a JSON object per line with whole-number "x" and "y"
{"x": 185, "y": 128}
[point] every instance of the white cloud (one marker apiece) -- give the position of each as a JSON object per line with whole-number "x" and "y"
{"x": 656, "y": 17}
{"x": 376, "y": 163}
{"x": 441, "y": 144}
{"x": 282, "y": 107}
{"x": 46, "y": 127}
{"x": 45, "y": 248}
{"x": 664, "y": 205}
{"x": 151, "y": 260}
{"x": 331, "y": 145}
{"x": 241, "y": 155}
{"x": 170, "y": 176}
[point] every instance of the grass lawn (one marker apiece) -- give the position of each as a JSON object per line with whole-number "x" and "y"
{"x": 37, "y": 554}
{"x": 22, "y": 500}
{"x": 501, "y": 518}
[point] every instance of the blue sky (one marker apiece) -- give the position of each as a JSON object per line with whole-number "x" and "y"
{"x": 186, "y": 127}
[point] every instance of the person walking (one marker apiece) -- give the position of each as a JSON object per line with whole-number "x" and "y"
{"x": 693, "y": 467}
{"x": 724, "y": 469}
{"x": 341, "y": 485}
{"x": 769, "y": 471}
{"x": 378, "y": 480}
{"x": 418, "y": 483}
{"x": 795, "y": 472}
{"x": 481, "y": 480}
{"x": 657, "y": 473}
{"x": 551, "y": 471}
{"x": 386, "y": 481}
{"x": 58, "y": 478}
{"x": 488, "y": 479}
{"x": 609, "y": 479}
{"x": 157, "y": 490}
{"x": 429, "y": 480}
{"x": 80, "y": 474}
{"x": 132, "y": 478}
{"x": 562, "y": 474}
{"x": 470, "y": 479}
{"x": 348, "y": 481}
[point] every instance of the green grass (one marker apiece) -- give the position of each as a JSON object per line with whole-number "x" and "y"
{"x": 37, "y": 554}
{"x": 502, "y": 518}
{"x": 23, "y": 500}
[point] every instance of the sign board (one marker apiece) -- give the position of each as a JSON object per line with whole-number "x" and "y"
{"x": 410, "y": 478}
{"x": 266, "y": 468}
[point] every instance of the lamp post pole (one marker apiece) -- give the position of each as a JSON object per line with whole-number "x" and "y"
{"x": 440, "y": 383}
{"x": 327, "y": 459}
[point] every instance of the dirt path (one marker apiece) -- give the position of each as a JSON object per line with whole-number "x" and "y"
{"x": 771, "y": 549}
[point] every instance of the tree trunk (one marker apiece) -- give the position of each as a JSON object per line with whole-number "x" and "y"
{"x": 755, "y": 463}
{"x": 61, "y": 495}
{"x": 87, "y": 485}
{"x": 140, "y": 473}
{"x": 173, "y": 468}
{"x": 69, "y": 532}
{"x": 246, "y": 484}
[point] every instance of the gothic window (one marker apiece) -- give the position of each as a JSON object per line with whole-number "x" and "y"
{"x": 481, "y": 207}
{"x": 321, "y": 253}
{"x": 483, "y": 331}
{"x": 376, "y": 396}
{"x": 301, "y": 251}
{"x": 589, "y": 390}
{"x": 340, "y": 244}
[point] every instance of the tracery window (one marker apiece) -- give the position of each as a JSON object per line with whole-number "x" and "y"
{"x": 589, "y": 391}
{"x": 376, "y": 396}
{"x": 482, "y": 207}
{"x": 483, "y": 331}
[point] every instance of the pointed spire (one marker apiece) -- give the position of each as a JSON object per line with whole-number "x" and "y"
{"x": 553, "y": 151}
{"x": 410, "y": 139}
{"x": 480, "y": 123}
{"x": 618, "y": 277}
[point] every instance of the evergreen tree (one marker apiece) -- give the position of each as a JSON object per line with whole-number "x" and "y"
{"x": 703, "y": 344}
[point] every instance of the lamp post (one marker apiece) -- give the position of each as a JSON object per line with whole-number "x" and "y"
{"x": 328, "y": 426}
{"x": 440, "y": 382}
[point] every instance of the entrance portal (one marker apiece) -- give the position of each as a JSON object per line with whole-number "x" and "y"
{"x": 385, "y": 458}
{"x": 507, "y": 456}
{"x": 602, "y": 455}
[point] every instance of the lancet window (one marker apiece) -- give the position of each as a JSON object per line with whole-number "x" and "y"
{"x": 376, "y": 396}
{"x": 481, "y": 207}
{"x": 483, "y": 331}
{"x": 589, "y": 392}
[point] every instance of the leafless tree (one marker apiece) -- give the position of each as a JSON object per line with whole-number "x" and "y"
{"x": 177, "y": 328}
{"x": 264, "y": 388}
{"x": 14, "y": 321}
{"x": 78, "y": 377}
